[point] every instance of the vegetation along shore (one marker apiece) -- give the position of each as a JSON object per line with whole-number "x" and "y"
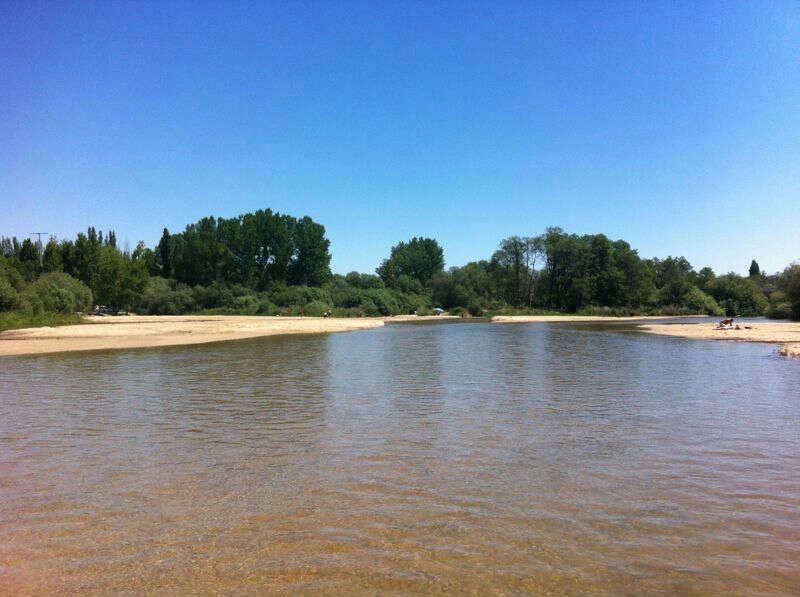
{"x": 267, "y": 263}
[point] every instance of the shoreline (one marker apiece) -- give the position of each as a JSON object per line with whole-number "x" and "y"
{"x": 584, "y": 318}
{"x": 787, "y": 334}
{"x": 150, "y": 331}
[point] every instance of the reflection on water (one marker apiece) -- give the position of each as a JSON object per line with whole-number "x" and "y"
{"x": 451, "y": 458}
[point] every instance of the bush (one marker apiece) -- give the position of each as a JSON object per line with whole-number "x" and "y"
{"x": 316, "y": 308}
{"x": 789, "y": 283}
{"x": 475, "y": 308}
{"x": 246, "y": 304}
{"x": 737, "y": 295}
{"x": 297, "y": 296}
{"x": 214, "y": 296}
{"x": 11, "y": 320}
{"x": 9, "y": 297}
{"x": 698, "y": 301}
{"x": 166, "y": 297}
{"x": 56, "y": 292}
{"x": 780, "y": 311}
{"x": 11, "y": 285}
{"x": 368, "y": 307}
{"x": 266, "y": 307}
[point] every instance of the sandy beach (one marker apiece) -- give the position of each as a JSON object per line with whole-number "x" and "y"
{"x": 580, "y": 318}
{"x": 139, "y": 331}
{"x": 784, "y": 333}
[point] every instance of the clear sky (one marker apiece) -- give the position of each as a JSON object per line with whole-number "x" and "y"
{"x": 673, "y": 125}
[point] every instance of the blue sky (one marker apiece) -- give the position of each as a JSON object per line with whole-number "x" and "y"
{"x": 675, "y": 126}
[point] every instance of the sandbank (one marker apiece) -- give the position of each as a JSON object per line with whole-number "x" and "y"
{"x": 140, "y": 331}
{"x": 580, "y": 318}
{"x": 785, "y": 333}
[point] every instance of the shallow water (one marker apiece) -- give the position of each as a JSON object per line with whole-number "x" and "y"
{"x": 412, "y": 458}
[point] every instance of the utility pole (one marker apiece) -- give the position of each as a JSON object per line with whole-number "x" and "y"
{"x": 40, "y": 246}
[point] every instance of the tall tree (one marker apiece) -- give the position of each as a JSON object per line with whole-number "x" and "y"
{"x": 163, "y": 254}
{"x": 29, "y": 259}
{"x": 51, "y": 261}
{"x": 310, "y": 263}
{"x": 755, "y": 270}
{"x": 515, "y": 260}
{"x": 418, "y": 259}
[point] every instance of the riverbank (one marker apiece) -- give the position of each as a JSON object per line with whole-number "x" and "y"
{"x": 582, "y": 318}
{"x": 784, "y": 333}
{"x": 141, "y": 331}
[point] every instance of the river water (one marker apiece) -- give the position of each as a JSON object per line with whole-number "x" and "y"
{"x": 461, "y": 458}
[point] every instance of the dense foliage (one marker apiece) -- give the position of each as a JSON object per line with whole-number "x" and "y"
{"x": 255, "y": 250}
{"x": 269, "y": 263}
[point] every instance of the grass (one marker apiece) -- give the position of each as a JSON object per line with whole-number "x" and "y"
{"x": 13, "y": 320}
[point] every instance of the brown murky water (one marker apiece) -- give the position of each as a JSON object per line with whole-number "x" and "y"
{"x": 461, "y": 458}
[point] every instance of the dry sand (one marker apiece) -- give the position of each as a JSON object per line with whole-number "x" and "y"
{"x": 579, "y": 318}
{"x": 138, "y": 331}
{"x": 787, "y": 334}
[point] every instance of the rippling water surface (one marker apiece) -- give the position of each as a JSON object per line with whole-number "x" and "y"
{"x": 413, "y": 458}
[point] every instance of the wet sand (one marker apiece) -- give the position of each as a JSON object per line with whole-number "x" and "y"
{"x": 139, "y": 331}
{"x": 784, "y": 333}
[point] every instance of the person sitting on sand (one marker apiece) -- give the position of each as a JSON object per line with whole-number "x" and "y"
{"x": 725, "y": 323}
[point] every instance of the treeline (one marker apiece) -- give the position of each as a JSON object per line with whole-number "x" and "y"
{"x": 558, "y": 271}
{"x": 270, "y": 263}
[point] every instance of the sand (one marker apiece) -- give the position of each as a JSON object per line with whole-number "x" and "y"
{"x": 579, "y": 318}
{"x": 139, "y": 331}
{"x": 786, "y": 334}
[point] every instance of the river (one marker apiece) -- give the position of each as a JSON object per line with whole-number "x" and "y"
{"x": 460, "y": 458}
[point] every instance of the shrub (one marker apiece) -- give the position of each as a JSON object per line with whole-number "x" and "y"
{"x": 737, "y": 295}
{"x": 166, "y": 297}
{"x": 368, "y": 307}
{"x": 9, "y": 297}
{"x": 57, "y": 292}
{"x": 294, "y": 296}
{"x": 780, "y": 311}
{"x": 475, "y": 308}
{"x": 698, "y": 301}
{"x": 11, "y": 285}
{"x": 246, "y": 304}
{"x": 315, "y": 308}
{"x": 266, "y": 307}
{"x": 789, "y": 283}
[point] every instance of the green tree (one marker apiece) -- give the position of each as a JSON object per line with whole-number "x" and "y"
{"x": 11, "y": 285}
{"x": 120, "y": 279}
{"x": 789, "y": 283}
{"x": 567, "y": 277}
{"x": 737, "y": 295}
{"x": 515, "y": 261}
{"x": 51, "y": 261}
{"x": 310, "y": 263}
{"x": 28, "y": 259}
{"x": 755, "y": 270}
{"x": 419, "y": 259}
{"x": 164, "y": 256}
